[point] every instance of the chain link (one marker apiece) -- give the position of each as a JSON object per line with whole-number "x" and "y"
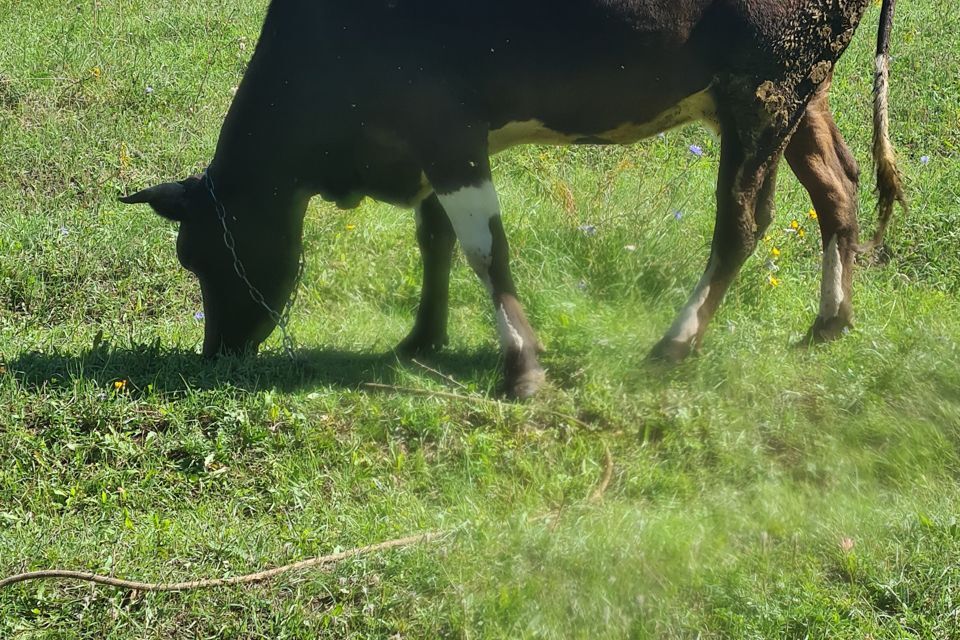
{"x": 279, "y": 318}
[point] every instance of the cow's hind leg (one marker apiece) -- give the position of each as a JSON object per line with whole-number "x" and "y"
{"x": 473, "y": 208}
{"x": 824, "y": 165}
{"x": 436, "y": 238}
{"x": 745, "y": 189}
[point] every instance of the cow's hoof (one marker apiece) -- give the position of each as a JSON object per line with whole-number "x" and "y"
{"x": 827, "y": 330}
{"x": 420, "y": 343}
{"x": 526, "y": 385}
{"x": 670, "y": 351}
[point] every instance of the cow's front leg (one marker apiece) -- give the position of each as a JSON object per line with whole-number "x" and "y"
{"x": 436, "y": 238}
{"x": 745, "y": 189}
{"x": 474, "y": 212}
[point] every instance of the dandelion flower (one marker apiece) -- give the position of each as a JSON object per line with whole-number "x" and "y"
{"x": 351, "y": 227}
{"x": 794, "y": 224}
{"x": 812, "y": 214}
{"x": 96, "y": 73}
{"x": 774, "y": 282}
{"x": 775, "y": 252}
{"x": 120, "y": 385}
{"x": 801, "y": 233}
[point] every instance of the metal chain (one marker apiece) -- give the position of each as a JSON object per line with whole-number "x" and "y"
{"x": 280, "y": 318}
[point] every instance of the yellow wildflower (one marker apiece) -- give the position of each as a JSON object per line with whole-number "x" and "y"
{"x": 812, "y": 214}
{"x": 95, "y": 73}
{"x": 120, "y": 385}
{"x": 794, "y": 225}
{"x": 775, "y": 252}
{"x": 124, "y": 156}
{"x": 774, "y": 282}
{"x": 801, "y": 233}
{"x": 351, "y": 227}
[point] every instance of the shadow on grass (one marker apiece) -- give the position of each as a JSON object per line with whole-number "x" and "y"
{"x": 152, "y": 369}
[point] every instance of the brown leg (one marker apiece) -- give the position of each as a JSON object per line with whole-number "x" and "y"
{"x": 454, "y": 151}
{"x": 822, "y": 162}
{"x": 745, "y": 189}
{"x": 523, "y": 375}
{"x": 474, "y": 212}
{"x": 437, "y": 239}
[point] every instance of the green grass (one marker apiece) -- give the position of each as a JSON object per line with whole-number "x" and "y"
{"x": 759, "y": 491}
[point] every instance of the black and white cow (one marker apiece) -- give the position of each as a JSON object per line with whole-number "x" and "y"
{"x": 405, "y": 100}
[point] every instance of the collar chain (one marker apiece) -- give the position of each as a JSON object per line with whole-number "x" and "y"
{"x": 279, "y": 318}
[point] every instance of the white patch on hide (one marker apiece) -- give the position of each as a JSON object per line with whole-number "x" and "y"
{"x": 831, "y": 287}
{"x": 687, "y": 325}
{"x": 699, "y": 106}
{"x": 470, "y": 211}
{"x": 526, "y": 132}
{"x": 510, "y": 338}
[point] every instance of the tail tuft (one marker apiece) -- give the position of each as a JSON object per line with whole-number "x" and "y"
{"x": 889, "y": 178}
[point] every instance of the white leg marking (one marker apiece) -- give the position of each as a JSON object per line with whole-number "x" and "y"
{"x": 510, "y": 338}
{"x": 687, "y": 324}
{"x": 470, "y": 211}
{"x": 831, "y": 287}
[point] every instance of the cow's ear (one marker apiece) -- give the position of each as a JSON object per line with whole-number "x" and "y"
{"x": 171, "y": 200}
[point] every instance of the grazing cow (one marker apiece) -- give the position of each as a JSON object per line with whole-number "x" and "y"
{"x": 405, "y": 100}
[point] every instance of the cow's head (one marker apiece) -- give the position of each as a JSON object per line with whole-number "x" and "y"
{"x": 267, "y": 242}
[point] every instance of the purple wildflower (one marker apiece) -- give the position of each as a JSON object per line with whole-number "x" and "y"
{"x": 678, "y": 215}
{"x": 696, "y": 150}
{"x": 64, "y": 231}
{"x": 924, "y": 159}
{"x": 198, "y": 315}
{"x": 588, "y": 229}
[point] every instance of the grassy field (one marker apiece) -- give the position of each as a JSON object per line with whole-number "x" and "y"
{"x": 758, "y": 491}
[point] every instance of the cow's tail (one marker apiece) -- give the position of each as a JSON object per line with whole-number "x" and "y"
{"x": 889, "y": 179}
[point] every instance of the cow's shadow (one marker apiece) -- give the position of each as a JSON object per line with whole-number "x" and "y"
{"x": 153, "y": 369}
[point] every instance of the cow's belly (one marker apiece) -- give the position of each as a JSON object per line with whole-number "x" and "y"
{"x": 699, "y": 106}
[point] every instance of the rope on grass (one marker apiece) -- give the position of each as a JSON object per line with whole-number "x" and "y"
{"x": 261, "y": 576}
